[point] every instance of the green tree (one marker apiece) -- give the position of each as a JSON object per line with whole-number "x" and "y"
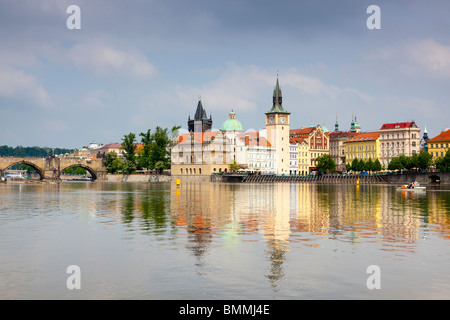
{"x": 348, "y": 167}
{"x": 377, "y": 165}
{"x": 413, "y": 161}
{"x": 404, "y": 161}
{"x": 355, "y": 165}
{"x": 160, "y": 148}
{"x": 113, "y": 163}
{"x": 443, "y": 163}
{"x": 361, "y": 165}
{"x": 147, "y": 144}
{"x": 234, "y": 166}
{"x": 325, "y": 163}
{"x": 129, "y": 147}
{"x": 424, "y": 160}
{"x": 395, "y": 164}
{"x": 160, "y": 166}
{"x": 368, "y": 166}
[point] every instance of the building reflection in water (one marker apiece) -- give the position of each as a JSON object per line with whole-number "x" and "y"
{"x": 279, "y": 218}
{"x": 284, "y": 214}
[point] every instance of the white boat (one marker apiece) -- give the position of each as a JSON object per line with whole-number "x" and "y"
{"x": 14, "y": 176}
{"x": 412, "y": 187}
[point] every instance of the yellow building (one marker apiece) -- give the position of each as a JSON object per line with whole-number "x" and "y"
{"x": 317, "y": 144}
{"x": 363, "y": 146}
{"x": 304, "y": 156}
{"x": 439, "y": 145}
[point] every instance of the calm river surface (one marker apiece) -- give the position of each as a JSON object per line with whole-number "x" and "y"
{"x": 223, "y": 241}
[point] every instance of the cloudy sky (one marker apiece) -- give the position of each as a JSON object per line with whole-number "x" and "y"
{"x": 137, "y": 64}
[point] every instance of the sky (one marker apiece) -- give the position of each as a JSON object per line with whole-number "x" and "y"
{"x": 134, "y": 65}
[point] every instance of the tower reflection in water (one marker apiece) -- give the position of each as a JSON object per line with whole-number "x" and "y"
{"x": 283, "y": 215}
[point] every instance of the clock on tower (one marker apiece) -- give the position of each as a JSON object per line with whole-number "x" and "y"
{"x": 277, "y": 131}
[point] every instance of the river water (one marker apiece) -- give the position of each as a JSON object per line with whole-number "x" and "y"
{"x": 223, "y": 241}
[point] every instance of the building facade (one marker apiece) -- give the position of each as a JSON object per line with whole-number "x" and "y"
{"x": 337, "y": 147}
{"x": 293, "y": 157}
{"x": 397, "y": 139}
{"x": 440, "y": 144}
{"x": 363, "y": 146}
{"x": 316, "y": 142}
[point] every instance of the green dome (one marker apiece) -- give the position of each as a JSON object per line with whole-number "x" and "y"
{"x": 232, "y": 124}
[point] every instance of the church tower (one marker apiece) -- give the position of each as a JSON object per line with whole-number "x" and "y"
{"x": 200, "y": 123}
{"x": 277, "y": 131}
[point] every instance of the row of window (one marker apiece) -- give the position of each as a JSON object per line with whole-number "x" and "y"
{"x": 436, "y": 145}
{"x": 393, "y": 136}
{"x": 361, "y": 148}
{"x": 362, "y": 156}
{"x": 413, "y": 144}
{"x": 437, "y": 154}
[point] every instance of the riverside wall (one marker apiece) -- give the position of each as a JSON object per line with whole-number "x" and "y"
{"x": 404, "y": 178}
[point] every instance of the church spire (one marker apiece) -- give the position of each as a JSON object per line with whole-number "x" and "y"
{"x": 277, "y": 106}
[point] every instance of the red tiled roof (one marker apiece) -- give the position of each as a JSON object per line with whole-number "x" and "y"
{"x": 364, "y": 137}
{"x": 342, "y": 134}
{"x": 295, "y": 140}
{"x": 301, "y": 131}
{"x": 443, "y": 136}
{"x": 253, "y": 139}
{"x": 398, "y": 125}
{"x": 199, "y": 137}
{"x": 114, "y": 145}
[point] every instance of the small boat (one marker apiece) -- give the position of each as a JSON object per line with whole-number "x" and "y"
{"x": 82, "y": 179}
{"x": 413, "y": 186}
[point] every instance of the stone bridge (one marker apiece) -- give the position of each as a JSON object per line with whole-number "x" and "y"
{"x": 50, "y": 168}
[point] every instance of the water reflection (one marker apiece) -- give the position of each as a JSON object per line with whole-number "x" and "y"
{"x": 289, "y": 214}
{"x": 271, "y": 223}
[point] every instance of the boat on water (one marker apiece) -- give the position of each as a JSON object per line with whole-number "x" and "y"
{"x": 82, "y": 179}
{"x": 413, "y": 186}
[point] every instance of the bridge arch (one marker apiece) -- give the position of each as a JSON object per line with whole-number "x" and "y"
{"x": 92, "y": 172}
{"x": 435, "y": 178}
{"x": 31, "y": 164}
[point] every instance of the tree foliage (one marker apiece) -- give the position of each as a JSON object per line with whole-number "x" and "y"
{"x": 113, "y": 163}
{"x": 129, "y": 147}
{"x": 418, "y": 161}
{"x": 443, "y": 163}
{"x": 19, "y": 151}
{"x": 325, "y": 163}
{"x": 153, "y": 153}
{"x": 361, "y": 165}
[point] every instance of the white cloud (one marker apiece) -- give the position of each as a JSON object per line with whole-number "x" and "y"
{"x": 105, "y": 60}
{"x": 249, "y": 88}
{"x": 15, "y": 83}
{"x": 431, "y": 57}
{"x": 416, "y": 58}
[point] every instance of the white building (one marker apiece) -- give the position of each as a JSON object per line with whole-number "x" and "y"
{"x": 397, "y": 139}
{"x": 293, "y": 157}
